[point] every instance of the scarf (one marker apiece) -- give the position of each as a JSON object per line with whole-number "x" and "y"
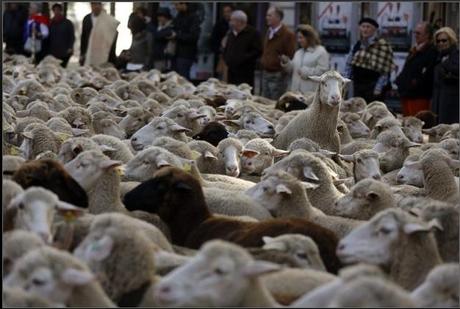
{"x": 378, "y": 56}
{"x": 100, "y": 39}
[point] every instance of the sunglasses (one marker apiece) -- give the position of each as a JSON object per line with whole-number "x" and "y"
{"x": 441, "y": 41}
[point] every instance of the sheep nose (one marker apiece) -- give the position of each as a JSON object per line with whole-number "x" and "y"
{"x": 270, "y": 127}
{"x": 166, "y": 289}
{"x": 376, "y": 176}
{"x": 341, "y": 247}
{"x": 134, "y": 139}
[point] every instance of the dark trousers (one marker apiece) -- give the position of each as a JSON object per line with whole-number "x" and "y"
{"x": 239, "y": 77}
{"x": 182, "y": 66}
{"x": 364, "y": 82}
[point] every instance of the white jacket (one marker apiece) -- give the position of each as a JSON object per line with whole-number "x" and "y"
{"x": 312, "y": 61}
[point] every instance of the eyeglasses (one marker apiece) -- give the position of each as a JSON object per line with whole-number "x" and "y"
{"x": 442, "y": 41}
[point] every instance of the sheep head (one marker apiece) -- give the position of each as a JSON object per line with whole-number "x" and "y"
{"x": 330, "y": 89}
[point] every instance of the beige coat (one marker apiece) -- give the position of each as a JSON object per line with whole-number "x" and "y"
{"x": 101, "y": 39}
{"x": 307, "y": 62}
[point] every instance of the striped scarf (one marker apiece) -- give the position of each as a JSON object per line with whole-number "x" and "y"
{"x": 378, "y": 56}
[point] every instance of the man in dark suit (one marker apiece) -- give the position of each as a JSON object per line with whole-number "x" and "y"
{"x": 87, "y": 26}
{"x": 243, "y": 47}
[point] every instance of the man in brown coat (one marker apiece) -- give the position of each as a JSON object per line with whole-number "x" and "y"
{"x": 278, "y": 41}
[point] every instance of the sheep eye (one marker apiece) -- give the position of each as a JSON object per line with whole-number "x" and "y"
{"x": 359, "y": 160}
{"x": 21, "y": 206}
{"x": 249, "y": 163}
{"x": 248, "y": 121}
{"x": 265, "y": 189}
{"x": 385, "y": 230}
{"x": 36, "y": 281}
{"x": 180, "y": 115}
{"x": 219, "y": 271}
{"x": 302, "y": 255}
{"x": 160, "y": 128}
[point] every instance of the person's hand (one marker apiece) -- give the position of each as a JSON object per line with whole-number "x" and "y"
{"x": 284, "y": 59}
{"x": 172, "y": 36}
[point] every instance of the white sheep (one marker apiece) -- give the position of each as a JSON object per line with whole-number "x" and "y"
{"x": 17, "y": 243}
{"x": 11, "y": 164}
{"x": 230, "y": 151}
{"x": 319, "y": 122}
{"x": 258, "y": 154}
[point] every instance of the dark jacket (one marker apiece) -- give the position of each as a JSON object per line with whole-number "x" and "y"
{"x": 187, "y": 28}
{"x": 13, "y": 29}
{"x": 160, "y": 41}
{"x": 219, "y": 31}
{"x": 416, "y": 78}
{"x": 242, "y": 51}
{"x": 87, "y": 25}
{"x": 445, "y": 87}
{"x": 61, "y": 37}
{"x": 141, "y": 48}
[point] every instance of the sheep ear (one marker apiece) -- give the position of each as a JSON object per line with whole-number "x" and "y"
{"x": 435, "y": 223}
{"x": 327, "y": 153}
{"x": 258, "y": 268}
{"x": 412, "y": 144}
{"x": 105, "y": 148}
{"x": 178, "y": 128}
{"x": 28, "y": 135}
{"x": 280, "y": 153}
{"x": 109, "y": 164}
{"x": 209, "y": 155}
{"x": 309, "y": 185}
{"x": 233, "y": 123}
{"x": 72, "y": 276}
{"x": 309, "y": 174}
{"x": 195, "y": 154}
{"x": 427, "y": 131}
{"x": 348, "y": 158}
{"x": 410, "y": 228}
{"x": 372, "y": 196}
{"x": 283, "y": 189}
{"x": 79, "y": 132}
{"x": 250, "y": 153}
{"x": 315, "y": 78}
{"x": 454, "y": 164}
{"x": 345, "y": 80}
{"x": 78, "y": 122}
{"x": 341, "y": 181}
{"x": 182, "y": 186}
{"x": 267, "y": 239}
{"x": 275, "y": 245}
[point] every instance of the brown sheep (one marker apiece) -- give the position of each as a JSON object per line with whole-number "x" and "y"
{"x": 50, "y": 174}
{"x": 192, "y": 224}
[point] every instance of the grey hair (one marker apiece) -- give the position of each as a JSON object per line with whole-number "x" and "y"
{"x": 240, "y": 15}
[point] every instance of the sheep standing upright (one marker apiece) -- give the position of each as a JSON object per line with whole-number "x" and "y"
{"x": 319, "y": 121}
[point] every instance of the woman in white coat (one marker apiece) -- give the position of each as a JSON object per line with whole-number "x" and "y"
{"x": 311, "y": 59}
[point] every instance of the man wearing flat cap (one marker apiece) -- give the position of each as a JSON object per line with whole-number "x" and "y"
{"x": 370, "y": 62}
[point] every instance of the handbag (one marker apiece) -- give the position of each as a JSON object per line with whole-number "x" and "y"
{"x": 170, "y": 49}
{"x": 33, "y": 45}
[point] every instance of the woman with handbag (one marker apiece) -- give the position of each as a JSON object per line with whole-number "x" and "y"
{"x": 36, "y": 32}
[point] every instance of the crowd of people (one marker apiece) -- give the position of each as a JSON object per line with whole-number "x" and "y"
{"x": 428, "y": 80}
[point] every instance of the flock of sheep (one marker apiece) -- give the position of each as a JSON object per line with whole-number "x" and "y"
{"x": 141, "y": 189}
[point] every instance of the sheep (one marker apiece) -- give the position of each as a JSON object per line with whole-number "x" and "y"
{"x": 452, "y": 146}
{"x": 436, "y": 133}
{"x": 440, "y": 289}
{"x": 353, "y": 105}
{"x": 159, "y": 126}
{"x": 454, "y": 132}
{"x": 256, "y": 122}
{"x": 365, "y": 164}
{"x": 213, "y": 132}
{"x": 284, "y": 120}
{"x": 293, "y": 101}
{"x": 356, "y": 127}
{"x": 10, "y": 189}
{"x": 33, "y": 210}
{"x": 78, "y": 117}
{"x": 51, "y": 175}
{"x": 410, "y": 173}
{"x": 258, "y": 154}
{"x": 148, "y": 161}
{"x": 193, "y": 225}
{"x": 59, "y": 277}
{"x": 365, "y": 199}
{"x": 10, "y": 164}
{"x": 371, "y": 292}
{"x": 16, "y": 244}
{"x": 447, "y": 238}
{"x": 229, "y": 156}
{"x": 61, "y": 126}
{"x": 302, "y": 248}
{"x": 73, "y": 146}
{"x": 209, "y": 112}
{"x": 384, "y": 124}
{"x": 207, "y": 162}
{"x": 113, "y": 147}
{"x": 135, "y": 119}
{"x": 319, "y": 122}
{"x": 284, "y": 196}
{"x": 309, "y": 168}
{"x": 37, "y": 139}
{"x": 374, "y": 113}
{"x": 27, "y": 87}
{"x": 176, "y": 147}
{"x": 304, "y": 143}
{"x": 412, "y": 128}
{"x": 16, "y": 297}
{"x": 232, "y": 279}
{"x": 185, "y": 117}
{"x": 21, "y": 124}
{"x": 428, "y": 117}
{"x": 397, "y": 241}
{"x": 438, "y": 179}
{"x": 104, "y": 123}
{"x": 393, "y": 148}
{"x": 124, "y": 262}
{"x": 37, "y": 109}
